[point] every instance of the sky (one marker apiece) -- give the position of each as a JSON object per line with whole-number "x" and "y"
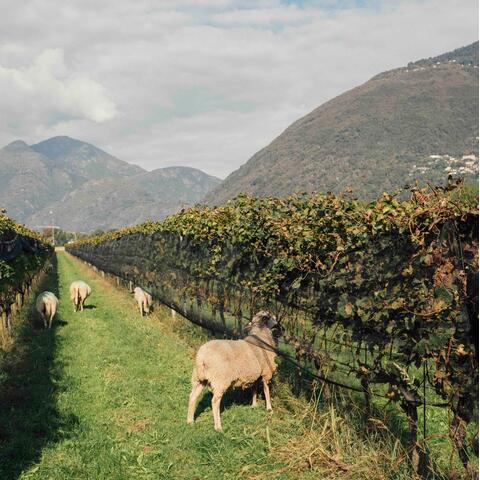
{"x": 203, "y": 83}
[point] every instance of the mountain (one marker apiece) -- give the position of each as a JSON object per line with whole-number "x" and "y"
{"x": 27, "y": 182}
{"x": 464, "y": 55}
{"x": 184, "y": 184}
{"x": 86, "y": 188}
{"x": 149, "y": 195}
{"x": 415, "y": 122}
{"x": 82, "y": 160}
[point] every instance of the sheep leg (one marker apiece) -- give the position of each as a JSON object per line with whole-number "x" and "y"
{"x": 254, "y": 395}
{"x": 266, "y": 392}
{"x": 216, "y": 399}
{"x": 51, "y": 315}
{"x": 197, "y": 388}
{"x": 44, "y": 320}
{"x": 76, "y": 300}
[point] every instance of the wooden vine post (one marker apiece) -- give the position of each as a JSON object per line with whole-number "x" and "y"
{"x": 367, "y": 393}
{"x": 462, "y": 416}
{"x": 410, "y": 403}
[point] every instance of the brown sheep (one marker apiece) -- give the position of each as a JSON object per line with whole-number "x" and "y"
{"x": 224, "y": 364}
{"x": 79, "y": 291}
{"x": 144, "y": 300}
{"x": 47, "y": 304}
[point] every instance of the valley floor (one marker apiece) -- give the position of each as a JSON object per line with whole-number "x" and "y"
{"x": 103, "y": 395}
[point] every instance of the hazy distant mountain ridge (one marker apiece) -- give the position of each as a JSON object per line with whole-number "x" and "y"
{"x": 375, "y": 137}
{"x": 185, "y": 184}
{"x": 87, "y": 188}
{"x": 127, "y": 201}
{"x": 82, "y": 160}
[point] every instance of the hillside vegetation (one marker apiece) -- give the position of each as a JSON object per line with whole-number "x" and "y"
{"x": 414, "y": 123}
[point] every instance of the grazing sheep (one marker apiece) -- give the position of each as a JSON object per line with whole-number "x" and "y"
{"x": 79, "y": 291}
{"x": 144, "y": 300}
{"x": 222, "y": 364}
{"x": 46, "y": 305}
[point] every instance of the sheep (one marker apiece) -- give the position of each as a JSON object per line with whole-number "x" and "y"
{"x": 144, "y": 300}
{"x": 222, "y": 364}
{"x": 46, "y": 305}
{"x": 79, "y": 291}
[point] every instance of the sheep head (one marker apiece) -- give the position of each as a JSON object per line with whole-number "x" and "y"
{"x": 262, "y": 319}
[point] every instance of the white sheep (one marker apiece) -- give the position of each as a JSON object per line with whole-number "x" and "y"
{"x": 144, "y": 300}
{"x": 47, "y": 304}
{"x": 79, "y": 291}
{"x": 224, "y": 364}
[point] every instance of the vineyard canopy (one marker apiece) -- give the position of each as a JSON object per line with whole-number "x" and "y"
{"x": 394, "y": 280}
{"x": 22, "y": 254}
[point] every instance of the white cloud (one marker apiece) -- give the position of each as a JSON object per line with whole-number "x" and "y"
{"x": 202, "y": 83}
{"x": 47, "y": 90}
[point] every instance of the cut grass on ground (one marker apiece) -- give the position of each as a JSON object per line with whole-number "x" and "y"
{"x": 103, "y": 395}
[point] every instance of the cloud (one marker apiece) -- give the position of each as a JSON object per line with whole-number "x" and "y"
{"x": 285, "y": 15}
{"x": 47, "y": 90}
{"x": 202, "y": 83}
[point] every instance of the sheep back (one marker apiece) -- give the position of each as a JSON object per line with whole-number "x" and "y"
{"x": 141, "y": 296}
{"x": 47, "y": 303}
{"x": 232, "y": 363}
{"x": 138, "y": 294}
{"x": 81, "y": 287}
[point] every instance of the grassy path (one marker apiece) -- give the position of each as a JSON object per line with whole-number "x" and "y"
{"x": 106, "y": 399}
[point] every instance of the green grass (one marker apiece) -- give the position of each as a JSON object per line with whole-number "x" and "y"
{"x": 103, "y": 395}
